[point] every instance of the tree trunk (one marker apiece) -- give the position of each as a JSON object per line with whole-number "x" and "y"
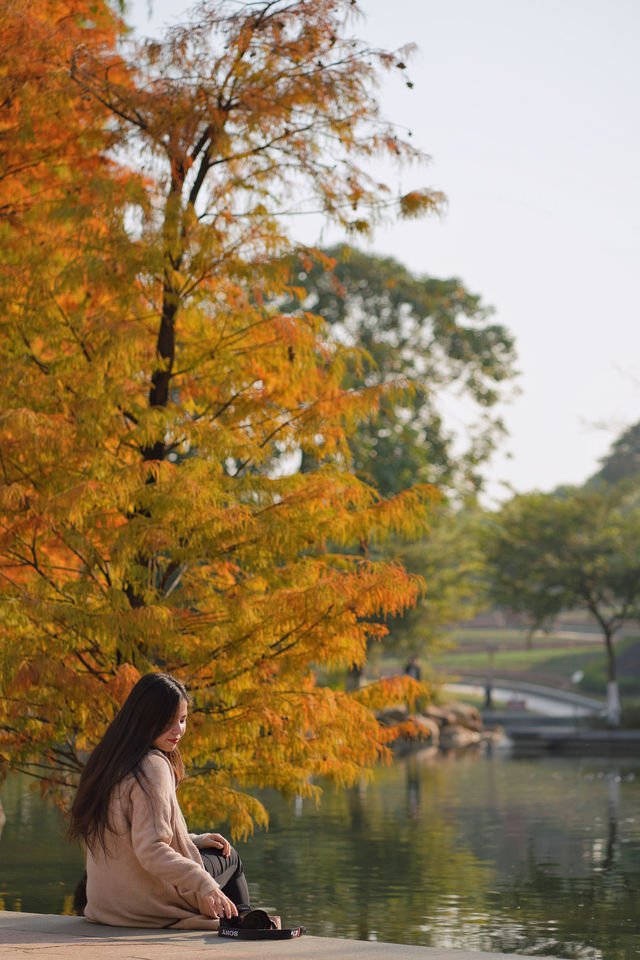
{"x": 354, "y": 678}
{"x": 613, "y": 693}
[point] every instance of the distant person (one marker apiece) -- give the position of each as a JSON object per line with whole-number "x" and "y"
{"x": 413, "y": 670}
{"x": 488, "y": 695}
{"x": 143, "y": 867}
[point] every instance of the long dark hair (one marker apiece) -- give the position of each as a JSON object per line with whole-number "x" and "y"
{"x": 148, "y": 710}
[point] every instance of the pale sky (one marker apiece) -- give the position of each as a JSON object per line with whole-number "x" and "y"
{"x": 529, "y": 111}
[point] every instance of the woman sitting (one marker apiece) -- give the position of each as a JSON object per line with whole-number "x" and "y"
{"x": 144, "y": 868}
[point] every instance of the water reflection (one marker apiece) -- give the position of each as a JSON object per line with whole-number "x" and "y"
{"x": 538, "y": 856}
{"x": 532, "y": 856}
{"x": 38, "y": 868}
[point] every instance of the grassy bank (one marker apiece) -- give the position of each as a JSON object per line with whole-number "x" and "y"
{"x": 556, "y": 660}
{"x": 570, "y": 660}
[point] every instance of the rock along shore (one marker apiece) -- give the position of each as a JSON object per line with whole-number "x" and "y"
{"x": 450, "y": 726}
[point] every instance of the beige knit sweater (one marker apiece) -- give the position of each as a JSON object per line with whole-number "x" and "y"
{"x": 151, "y": 874}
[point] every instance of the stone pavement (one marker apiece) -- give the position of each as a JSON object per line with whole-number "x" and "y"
{"x": 49, "y": 937}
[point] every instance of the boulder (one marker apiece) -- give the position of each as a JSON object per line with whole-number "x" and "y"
{"x": 494, "y": 736}
{"x": 455, "y": 737}
{"x": 465, "y": 715}
{"x": 392, "y": 715}
{"x": 450, "y": 726}
{"x": 429, "y": 729}
{"x": 439, "y": 714}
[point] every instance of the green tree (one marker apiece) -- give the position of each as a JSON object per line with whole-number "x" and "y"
{"x": 429, "y": 344}
{"x": 448, "y": 559}
{"x": 424, "y": 343}
{"x": 545, "y": 554}
{"x": 623, "y": 460}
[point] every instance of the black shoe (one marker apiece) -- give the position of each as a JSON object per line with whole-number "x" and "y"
{"x": 256, "y": 925}
{"x": 250, "y": 920}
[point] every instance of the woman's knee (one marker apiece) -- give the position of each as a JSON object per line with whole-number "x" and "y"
{"x": 234, "y": 857}
{"x": 216, "y": 864}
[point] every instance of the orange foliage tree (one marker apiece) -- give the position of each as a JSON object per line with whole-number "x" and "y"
{"x": 156, "y": 405}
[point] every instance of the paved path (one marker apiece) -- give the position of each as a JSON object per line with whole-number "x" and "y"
{"x": 47, "y": 937}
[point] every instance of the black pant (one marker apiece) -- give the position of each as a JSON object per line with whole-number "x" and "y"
{"x": 229, "y": 873}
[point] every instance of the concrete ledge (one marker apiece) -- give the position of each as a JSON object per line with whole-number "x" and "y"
{"x": 54, "y": 937}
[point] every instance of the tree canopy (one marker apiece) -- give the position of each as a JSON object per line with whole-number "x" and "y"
{"x": 422, "y": 342}
{"x": 623, "y": 460}
{"x": 149, "y": 382}
{"x": 448, "y": 558}
{"x": 429, "y": 344}
{"x": 548, "y": 553}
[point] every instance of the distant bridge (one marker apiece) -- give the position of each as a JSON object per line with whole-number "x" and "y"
{"x": 531, "y": 698}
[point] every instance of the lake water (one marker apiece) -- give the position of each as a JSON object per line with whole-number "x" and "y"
{"x": 479, "y": 851}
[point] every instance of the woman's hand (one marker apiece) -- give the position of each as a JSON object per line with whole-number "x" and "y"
{"x": 218, "y": 906}
{"x": 218, "y": 841}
